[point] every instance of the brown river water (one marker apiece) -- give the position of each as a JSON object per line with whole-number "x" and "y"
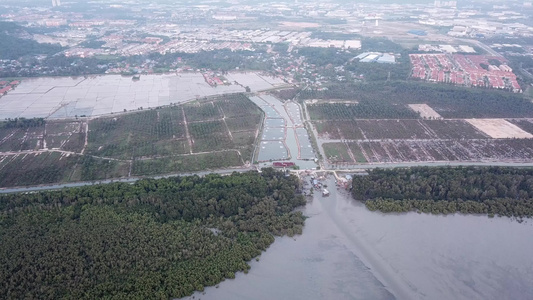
{"x": 349, "y": 252}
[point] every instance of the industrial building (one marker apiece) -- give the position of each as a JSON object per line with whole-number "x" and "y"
{"x": 384, "y": 58}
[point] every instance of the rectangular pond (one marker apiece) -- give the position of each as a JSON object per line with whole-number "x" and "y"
{"x": 255, "y": 81}
{"x": 306, "y": 149}
{"x": 270, "y": 112}
{"x": 272, "y": 150}
{"x": 270, "y": 134}
{"x": 294, "y": 113}
{"x": 66, "y": 97}
{"x": 275, "y": 123}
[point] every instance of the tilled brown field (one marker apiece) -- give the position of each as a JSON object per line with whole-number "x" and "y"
{"x": 399, "y": 129}
{"x": 427, "y": 140}
{"x": 511, "y": 150}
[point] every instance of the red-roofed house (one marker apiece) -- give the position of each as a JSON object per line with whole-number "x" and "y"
{"x": 5, "y": 90}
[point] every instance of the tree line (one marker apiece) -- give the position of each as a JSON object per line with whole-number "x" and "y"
{"x": 363, "y": 110}
{"x": 448, "y": 101}
{"x": 12, "y": 47}
{"x": 22, "y": 123}
{"x": 481, "y": 190}
{"x": 153, "y": 239}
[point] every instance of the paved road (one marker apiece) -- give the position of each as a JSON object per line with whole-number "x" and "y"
{"x": 324, "y": 165}
{"x": 484, "y": 47}
{"x": 127, "y": 180}
{"x": 349, "y": 168}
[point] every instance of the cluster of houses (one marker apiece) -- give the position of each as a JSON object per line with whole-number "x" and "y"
{"x": 214, "y": 79}
{"x": 6, "y": 86}
{"x": 468, "y": 70}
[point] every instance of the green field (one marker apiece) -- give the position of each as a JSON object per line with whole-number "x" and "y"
{"x": 187, "y": 163}
{"x": 337, "y": 152}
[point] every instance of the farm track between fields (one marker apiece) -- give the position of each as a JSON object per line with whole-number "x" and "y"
{"x": 350, "y": 141}
{"x": 204, "y": 134}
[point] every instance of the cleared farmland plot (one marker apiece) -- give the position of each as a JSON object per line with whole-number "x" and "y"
{"x": 337, "y": 152}
{"x": 425, "y": 111}
{"x": 448, "y": 101}
{"x": 366, "y": 149}
{"x": 404, "y": 140}
{"x": 339, "y": 130}
{"x": 524, "y": 124}
{"x": 53, "y": 167}
{"x": 24, "y": 169}
{"x": 499, "y": 128}
{"x": 244, "y": 138}
{"x": 516, "y": 150}
{"x": 327, "y": 130}
{"x": 398, "y": 129}
{"x": 15, "y": 139}
{"x": 357, "y": 152}
{"x": 379, "y": 152}
{"x": 63, "y": 135}
{"x": 454, "y": 129}
{"x": 394, "y": 129}
{"x": 244, "y": 142}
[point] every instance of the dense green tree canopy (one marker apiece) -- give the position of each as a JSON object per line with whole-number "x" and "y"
{"x": 481, "y": 190}
{"x": 448, "y": 101}
{"x": 155, "y": 239}
{"x": 13, "y": 47}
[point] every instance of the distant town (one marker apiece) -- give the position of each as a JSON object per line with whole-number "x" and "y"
{"x": 152, "y": 37}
